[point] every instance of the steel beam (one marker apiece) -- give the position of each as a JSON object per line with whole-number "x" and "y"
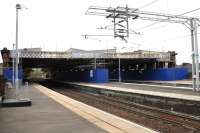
{"x": 160, "y": 17}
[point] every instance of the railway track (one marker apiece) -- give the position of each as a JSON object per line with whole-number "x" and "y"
{"x": 154, "y": 118}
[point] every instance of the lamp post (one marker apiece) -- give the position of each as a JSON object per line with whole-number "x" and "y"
{"x": 18, "y": 7}
{"x": 17, "y": 102}
{"x": 13, "y": 66}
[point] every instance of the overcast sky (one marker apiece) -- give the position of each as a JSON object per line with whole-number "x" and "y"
{"x": 59, "y": 24}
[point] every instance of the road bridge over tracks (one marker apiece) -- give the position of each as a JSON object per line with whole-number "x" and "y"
{"x": 75, "y": 60}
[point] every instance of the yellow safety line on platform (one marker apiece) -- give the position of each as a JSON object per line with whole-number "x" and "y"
{"x": 106, "y": 121}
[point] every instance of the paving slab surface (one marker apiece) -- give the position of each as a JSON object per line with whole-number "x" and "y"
{"x": 44, "y": 116}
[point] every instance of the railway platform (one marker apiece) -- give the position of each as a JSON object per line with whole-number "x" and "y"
{"x": 177, "y": 92}
{"x": 183, "y": 83}
{"x": 44, "y": 116}
{"x": 53, "y": 112}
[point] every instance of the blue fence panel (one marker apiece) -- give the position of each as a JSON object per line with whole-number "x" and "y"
{"x": 99, "y": 76}
{"x": 166, "y": 74}
{"x": 8, "y": 72}
{"x": 162, "y": 74}
{"x": 95, "y": 76}
{"x": 102, "y": 76}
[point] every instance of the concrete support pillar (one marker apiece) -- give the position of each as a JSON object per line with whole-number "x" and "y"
{"x": 145, "y": 66}
{"x": 166, "y": 64}
{"x": 155, "y": 65}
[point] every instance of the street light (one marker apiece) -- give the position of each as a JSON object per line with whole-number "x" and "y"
{"x": 18, "y": 7}
{"x": 13, "y": 66}
{"x": 17, "y": 102}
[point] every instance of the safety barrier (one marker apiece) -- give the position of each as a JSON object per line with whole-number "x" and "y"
{"x": 161, "y": 74}
{"x": 7, "y": 73}
{"x": 94, "y": 75}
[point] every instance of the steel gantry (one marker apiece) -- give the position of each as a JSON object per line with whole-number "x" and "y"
{"x": 121, "y": 16}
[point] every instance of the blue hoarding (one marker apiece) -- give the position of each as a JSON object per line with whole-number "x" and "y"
{"x": 161, "y": 74}
{"x": 8, "y": 72}
{"x": 93, "y": 75}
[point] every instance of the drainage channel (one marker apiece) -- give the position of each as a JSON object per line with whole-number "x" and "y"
{"x": 151, "y": 117}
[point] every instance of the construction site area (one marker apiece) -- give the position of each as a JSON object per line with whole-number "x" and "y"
{"x": 92, "y": 88}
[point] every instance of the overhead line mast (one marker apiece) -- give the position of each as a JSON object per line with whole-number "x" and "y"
{"x": 121, "y": 16}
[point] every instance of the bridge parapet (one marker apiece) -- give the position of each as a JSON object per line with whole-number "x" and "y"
{"x": 165, "y": 56}
{"x": 40, "y": 54}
